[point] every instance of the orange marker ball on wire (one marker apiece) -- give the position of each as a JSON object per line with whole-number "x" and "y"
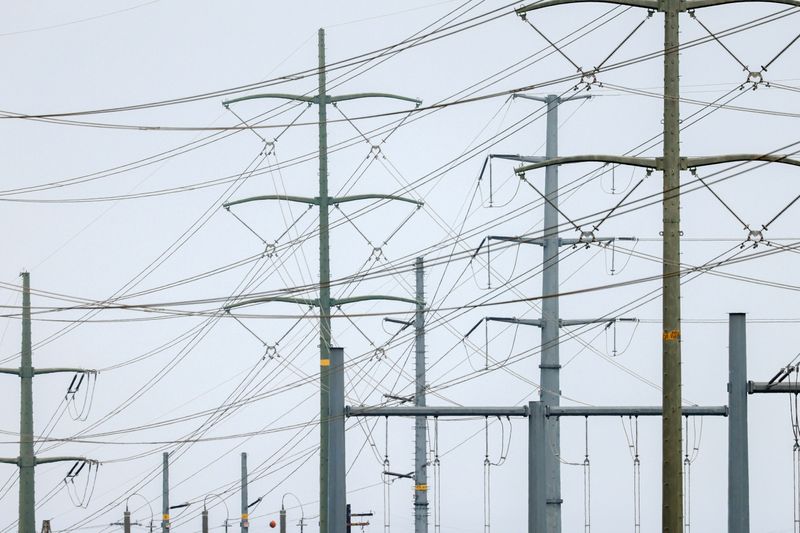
{"x": 272, "y": 523}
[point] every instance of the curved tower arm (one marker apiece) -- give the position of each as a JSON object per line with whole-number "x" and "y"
{"x": 313, "y": 302}
{"x": 356, "y": 197}
{"x": 370, "y": 297}
{"x": 693, "y": 162}
{"x": 647, "y": 4}
{"x": 38, "y": 371}
{"x": 645, "y": 162}
{"x": 344, "y": 97}
{"x": 288, "y": 198}
{"x": 299, "y": 97}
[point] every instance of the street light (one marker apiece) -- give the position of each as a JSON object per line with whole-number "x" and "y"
{"x": 302, "y": 513}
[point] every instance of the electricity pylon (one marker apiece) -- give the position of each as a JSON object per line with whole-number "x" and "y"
{"x": 328, "y": 513}
{"x": 27, "y": 461}
{"x": 671, "y": 165}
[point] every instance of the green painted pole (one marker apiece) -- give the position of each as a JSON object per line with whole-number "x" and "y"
{"x": 27, "y": 495}
{"x": 324, "y": 290}
{"x": 672, "y": 473}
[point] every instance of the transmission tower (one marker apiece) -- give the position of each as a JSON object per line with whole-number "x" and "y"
{"x": 671, "y": 164}
{"x": 332, "y": 504}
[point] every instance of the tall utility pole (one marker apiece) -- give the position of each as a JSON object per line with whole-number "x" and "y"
{"x": 420, "y": 422}
{"x": 324, "y": 301}
{"x": 245, "y": 524}
{"x": 27, "y": 461}
{"x": 670, "y": 164}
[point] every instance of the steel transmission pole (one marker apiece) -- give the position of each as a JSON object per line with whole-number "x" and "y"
{"x": 27, "y": 461}
{"x": 324, "y": 289}
{"x": 420, "y": 422}
{"x": 738, "y": 474}
{"x": 324, "y": 301}
{"x": 27, "y": 513}
{"x": 550, "y": 365}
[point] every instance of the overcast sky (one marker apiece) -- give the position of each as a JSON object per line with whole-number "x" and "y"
{"x": 129, "y": 209}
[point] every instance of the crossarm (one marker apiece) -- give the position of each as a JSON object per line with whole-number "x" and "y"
{"x": 521, "y": 158}
{"x": 9, "y": 460}
{"x": 45, "y": 460}
{"x": 356, "y": 197}
{"x": 647, "y": 4}
{"x": 284, "y": 96}
{"x": 370, "y": 297}
{"x": 38, "y": 371}
{"x": 356, "y": 96}
{"x": 288, "y": 198}
{"x": 646, "y": 162}
{"x": 302, "y": 301}
{"x": 14, "y": 371}
{"x": 697, "y": 4}
{"x": 693, "y": 162}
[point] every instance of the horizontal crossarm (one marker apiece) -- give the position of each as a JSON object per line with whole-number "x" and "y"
{"x": 371, "y": 297}
{"x": 520, "y": 158}
{"x": 688, "y": 5}
{"x": 694, "y": 162}
{"x": 645, "y": 162}
{"x": 356, "y": 197}
{"x": 356, "y": 96}
{"x": 288, "y": 198}
{"x": 38, "y": 371}
{"x": 436, "y": 411}
{"x": 786, "y": 387}
{"x": 686, "y": 410}
{"x": 14, "y": 371}
{"x": 45, "y": 460}
{"x": 284, "y": 96}
{"x": 9, "y": 460}
{"x": 313, "y": 302}
{"x": 647, "y": 4}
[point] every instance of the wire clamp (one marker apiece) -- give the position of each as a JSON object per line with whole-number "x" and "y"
{"x": 378, "y": 354}
{"x": 755, "y": 78}
{"x": 271, "y": 352}
{"x": 375, "y": 150}
{"x": 377, "y": 253}
{"x": 271, "y": 250}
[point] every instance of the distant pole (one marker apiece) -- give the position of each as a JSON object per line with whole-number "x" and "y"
{"x": 420, "y": 426}
{"x": 245, "y": 523}
{"x": 337, "y": 496}
{"x": 738, "y": 475}
{"x": 27, "y": 494}
{"x": 126, "y": 521}
{"x": 165, "y": 494}
{"x": 205, "y": 520}
{"x": 282, "y": 520}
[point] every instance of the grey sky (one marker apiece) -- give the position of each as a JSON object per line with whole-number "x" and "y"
{"x": 61, "y": 57}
